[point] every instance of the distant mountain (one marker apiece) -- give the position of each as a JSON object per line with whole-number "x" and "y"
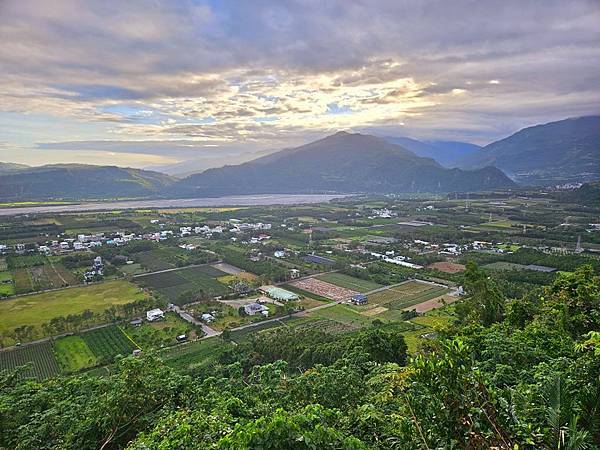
{"x": 556, "y": 152}
{"x": 10, "y": 167}
{"x": 342, "y": 162}
{"x": 77, "y": 181}
{"x": 196, "y": 165}
{"x": 447, "y": 153}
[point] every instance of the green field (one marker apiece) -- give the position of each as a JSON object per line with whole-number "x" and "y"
{"x": 107, "y": 342}
{"x": 7, "y": 286}
{"x": 37, "y": 309}
{"x": 23, "y": 283}
{"x": 195, "y": 354}
{"x": 394, "y": 293}
{"x": 91, "y": 348}
{"x": 344, "y": 315}
{"x": 192, "y": 279}
{"x": 415, "y": 299}
{"x": 501, "y": 265}
{"x": 41, "y": 356}
{"x": 158, "y": 334}
{"x": 73, "y": 354}
{"x": 346, "y": 281}
{"x": 20, "y": 262}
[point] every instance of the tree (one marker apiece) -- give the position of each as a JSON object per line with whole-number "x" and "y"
{"x": 485, "y": 303}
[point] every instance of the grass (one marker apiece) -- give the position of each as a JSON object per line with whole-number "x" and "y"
{"x": 40, "y": 356}
{"x": 398, "y": 292}
{"x": 346, "y": 281}
{"x": 22, "y": 280}
{"x": 7, "y": 286}
{"x": 158, "y": 334}
{"x": 132, "y": 269}
{"x": 73, "y": 354}
{"x": 344, "y": 315}
{"x": 501, "y": 265}
{"x": 21, "y": 262}
{"x": 415, "y": 299}
{"x": 37, "y": 309}
{"x": 195, "y": 354}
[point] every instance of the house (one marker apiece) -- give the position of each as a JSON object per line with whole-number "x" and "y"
{"x": 208, "y": 318}
{"x": 294, "y": 273}
{"x": 155, "y": 314}
{"x": 359, "y": 299}
{"x": 255, "y": 308}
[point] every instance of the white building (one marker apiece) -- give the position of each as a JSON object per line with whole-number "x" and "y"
{"x": 155, "y": 314}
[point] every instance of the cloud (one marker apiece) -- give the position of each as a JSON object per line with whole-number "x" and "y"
{"x": 262, "y": 74}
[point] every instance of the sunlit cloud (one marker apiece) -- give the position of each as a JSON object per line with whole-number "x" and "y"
{"x": 245, "y": 76}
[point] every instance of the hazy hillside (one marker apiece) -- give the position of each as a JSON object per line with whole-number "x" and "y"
{"x": 588, "y": 194}
{"x": 11, "y": 167}
{"x": 75, "y": 181}
{"x": 340, "y": 163}
{"x": 568, "y": 150}
{"x": 447, "y": 153}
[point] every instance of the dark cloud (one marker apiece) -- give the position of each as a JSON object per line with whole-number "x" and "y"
{"x": 268, "y": 71}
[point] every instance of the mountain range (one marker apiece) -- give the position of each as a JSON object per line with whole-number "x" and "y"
{"x": 79, "y": 181}
{"x": 447, "y": 153}
{"x": 553, "y": 153}
{"x": 343, "y": 162}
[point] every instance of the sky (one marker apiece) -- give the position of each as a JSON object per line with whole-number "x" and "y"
{"x": 193, "y": 84}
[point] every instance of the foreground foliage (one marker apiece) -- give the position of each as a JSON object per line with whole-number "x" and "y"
{"x": 510, "y": 374}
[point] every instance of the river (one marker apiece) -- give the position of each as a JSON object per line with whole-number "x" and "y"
{"x": 239, "y": 200}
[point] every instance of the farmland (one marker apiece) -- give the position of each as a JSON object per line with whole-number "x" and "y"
{"x": 199, "y": 281}
{"x": 108, "y": 342}
{"x": 346, "y": 281}
{"x": 37, "y": 309}
{"x": 324, "y": 289}
{"x": 7, "y": 286}
{"x": 73, "y": 354}
{"x": 407, "y": 295}
{"x": 40, "y": 356}
{"x": 22, "y": 280}
{"x": 50, "y": 276}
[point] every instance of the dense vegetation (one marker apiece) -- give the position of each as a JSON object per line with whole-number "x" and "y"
{"x": 510, "y": 372}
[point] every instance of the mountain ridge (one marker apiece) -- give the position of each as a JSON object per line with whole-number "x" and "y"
{"x": 447, "y": 153}
{"x": 343, "y": 162}
{"x": 563, "y": 151}
{"x": 80, "y": 181}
